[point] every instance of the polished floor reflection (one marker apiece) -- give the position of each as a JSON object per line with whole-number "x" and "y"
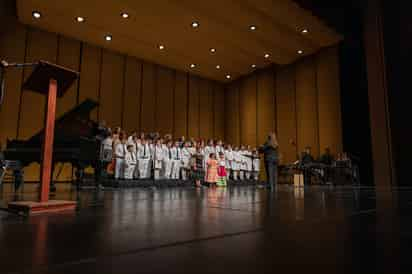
{"x": 223, "y": 230}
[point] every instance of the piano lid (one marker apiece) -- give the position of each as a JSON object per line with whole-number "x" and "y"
{"x": 73, "y": 124}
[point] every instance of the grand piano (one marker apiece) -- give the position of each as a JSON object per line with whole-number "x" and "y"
{"x": 76, "y": 141}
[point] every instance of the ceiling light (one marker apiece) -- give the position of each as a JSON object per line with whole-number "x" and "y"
{"x": 300, "y": 51}
{"x": 217, "y": 66}
{"x": 212, "y": 50}
{"x": 108, "y": 37}
{"x": 304, "y": 31}
{"x": 36, "y": 14}
{"x": 252, "y": 27}
{"x": 161, "y": 47}
{"x": 192, "y": 65}
{"x": 124, "y": 15}
{"x": 80, "y": 19}
{"x": 253, "y": 66}
{"x": 267, "y": 55}
{"x": 195, "y": 24}
{"x": 228, "y": 76}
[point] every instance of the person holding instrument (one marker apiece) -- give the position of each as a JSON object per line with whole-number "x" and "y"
{"x": 271, "y": 156}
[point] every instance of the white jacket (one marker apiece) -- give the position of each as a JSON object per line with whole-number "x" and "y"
{"x": 176, "y": 153}
{"x": 143, "y": 152}
{"x": 186, "y": 154}
{"x": 158, "y": 153}
{"x": 167, "y": 153}
{"x": 130, "y": 159}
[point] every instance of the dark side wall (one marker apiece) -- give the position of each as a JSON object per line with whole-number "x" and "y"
{"x": 397, "y": 27}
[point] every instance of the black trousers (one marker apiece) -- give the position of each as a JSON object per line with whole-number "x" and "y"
{"x": 271, "y": 173}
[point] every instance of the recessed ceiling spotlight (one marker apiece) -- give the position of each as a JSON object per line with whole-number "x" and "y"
{"x": 212, "y": 50}
{"x": 124, "y": 15}
{"x": 217, "y": 66}
{"x": 161, "y": 47}
{"x": 192, "y": 65}
{"x": 36, "y": 14}
{"x": 267, "y": 55}
{"x": 304, "y": 31}
{"x": 252, "y": 27}
{"x": 253, "y": 66}
{"x": 195, "y": 24}
{"x": 228, "y": 76}
{"x": 300, "y": 51}
{"x": 108, "y": 37}
{"x": 80, "y": 19}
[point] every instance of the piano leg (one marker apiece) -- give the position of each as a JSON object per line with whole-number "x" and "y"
{"x": 79, "y": 177}
{"x": 52, "y": 182}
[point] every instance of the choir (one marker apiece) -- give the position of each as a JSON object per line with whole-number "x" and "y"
{"x": 145, "y": 156}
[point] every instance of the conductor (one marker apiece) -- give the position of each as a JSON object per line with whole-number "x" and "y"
{"x": 271, "y": 156}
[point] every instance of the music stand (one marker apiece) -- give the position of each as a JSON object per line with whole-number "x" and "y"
{"x": 53, "y": 81}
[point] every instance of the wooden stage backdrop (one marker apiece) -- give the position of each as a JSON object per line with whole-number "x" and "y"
{"x": 301, "y": 101}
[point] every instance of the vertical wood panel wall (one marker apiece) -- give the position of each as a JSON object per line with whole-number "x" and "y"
{"x": 306, "y": 106}
{"x": 286, "y": 113}
{"x": 301, "y": 102}
{"x": 232, "y": 121}
{"x": 132, "y": 93}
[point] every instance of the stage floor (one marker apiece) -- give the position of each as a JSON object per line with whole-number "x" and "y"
{"x": 242, "y": 229}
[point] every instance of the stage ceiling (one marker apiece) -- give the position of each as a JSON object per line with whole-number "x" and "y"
{"x": 282, "y": 30}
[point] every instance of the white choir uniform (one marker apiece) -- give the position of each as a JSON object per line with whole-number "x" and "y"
{"x": 235, "y": 164}
{"x": 167, "y": 162}
{"x": 249, "y": 163}
{"x": 120, "y": 154}
{"x": 137, "y": 147}
{"x": 229, "y": 162}
{"x": 157, "y": 161}
{"x": 106, "y": 150}
{"x": 150, "y": 165}
{"x": 242, "y": 164}
{"x": 186, "y": 155}
{"x": 177, "y": 162}
{"x": 132, "y": 142}
{"x": 130, "y": 164}
{"x": 219, "y": 149}
{"x": 144, "y": 159}
{"x": 256, "y": 168}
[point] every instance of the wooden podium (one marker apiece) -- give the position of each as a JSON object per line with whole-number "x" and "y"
{"x": 53, "y": 81}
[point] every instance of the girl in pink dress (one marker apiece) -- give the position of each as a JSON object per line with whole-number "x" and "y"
{"x": 211, "y": 170}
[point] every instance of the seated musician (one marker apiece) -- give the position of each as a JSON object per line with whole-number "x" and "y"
{"x": 102, "y": 130}
{"x": 306, "y": 160}
{"x": 306, "y": 157}
{"x": 14, "y": 166}
{"x": 327, "y": 159}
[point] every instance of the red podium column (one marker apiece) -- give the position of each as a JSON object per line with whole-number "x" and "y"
{"x": 48, "y": 142}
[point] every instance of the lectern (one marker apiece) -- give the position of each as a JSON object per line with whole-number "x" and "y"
{"x": 52, "y": 81}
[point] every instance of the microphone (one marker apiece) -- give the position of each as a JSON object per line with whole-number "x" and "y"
{"x": 4, "y": 63}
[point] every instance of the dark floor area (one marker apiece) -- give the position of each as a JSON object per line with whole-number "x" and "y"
{"x": 238, "y": 229}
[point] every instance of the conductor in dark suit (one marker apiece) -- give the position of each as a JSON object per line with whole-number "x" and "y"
{"x": 270, "y": 156}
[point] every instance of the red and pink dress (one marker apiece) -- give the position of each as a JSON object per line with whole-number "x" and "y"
{"x": 221, "y": 173}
